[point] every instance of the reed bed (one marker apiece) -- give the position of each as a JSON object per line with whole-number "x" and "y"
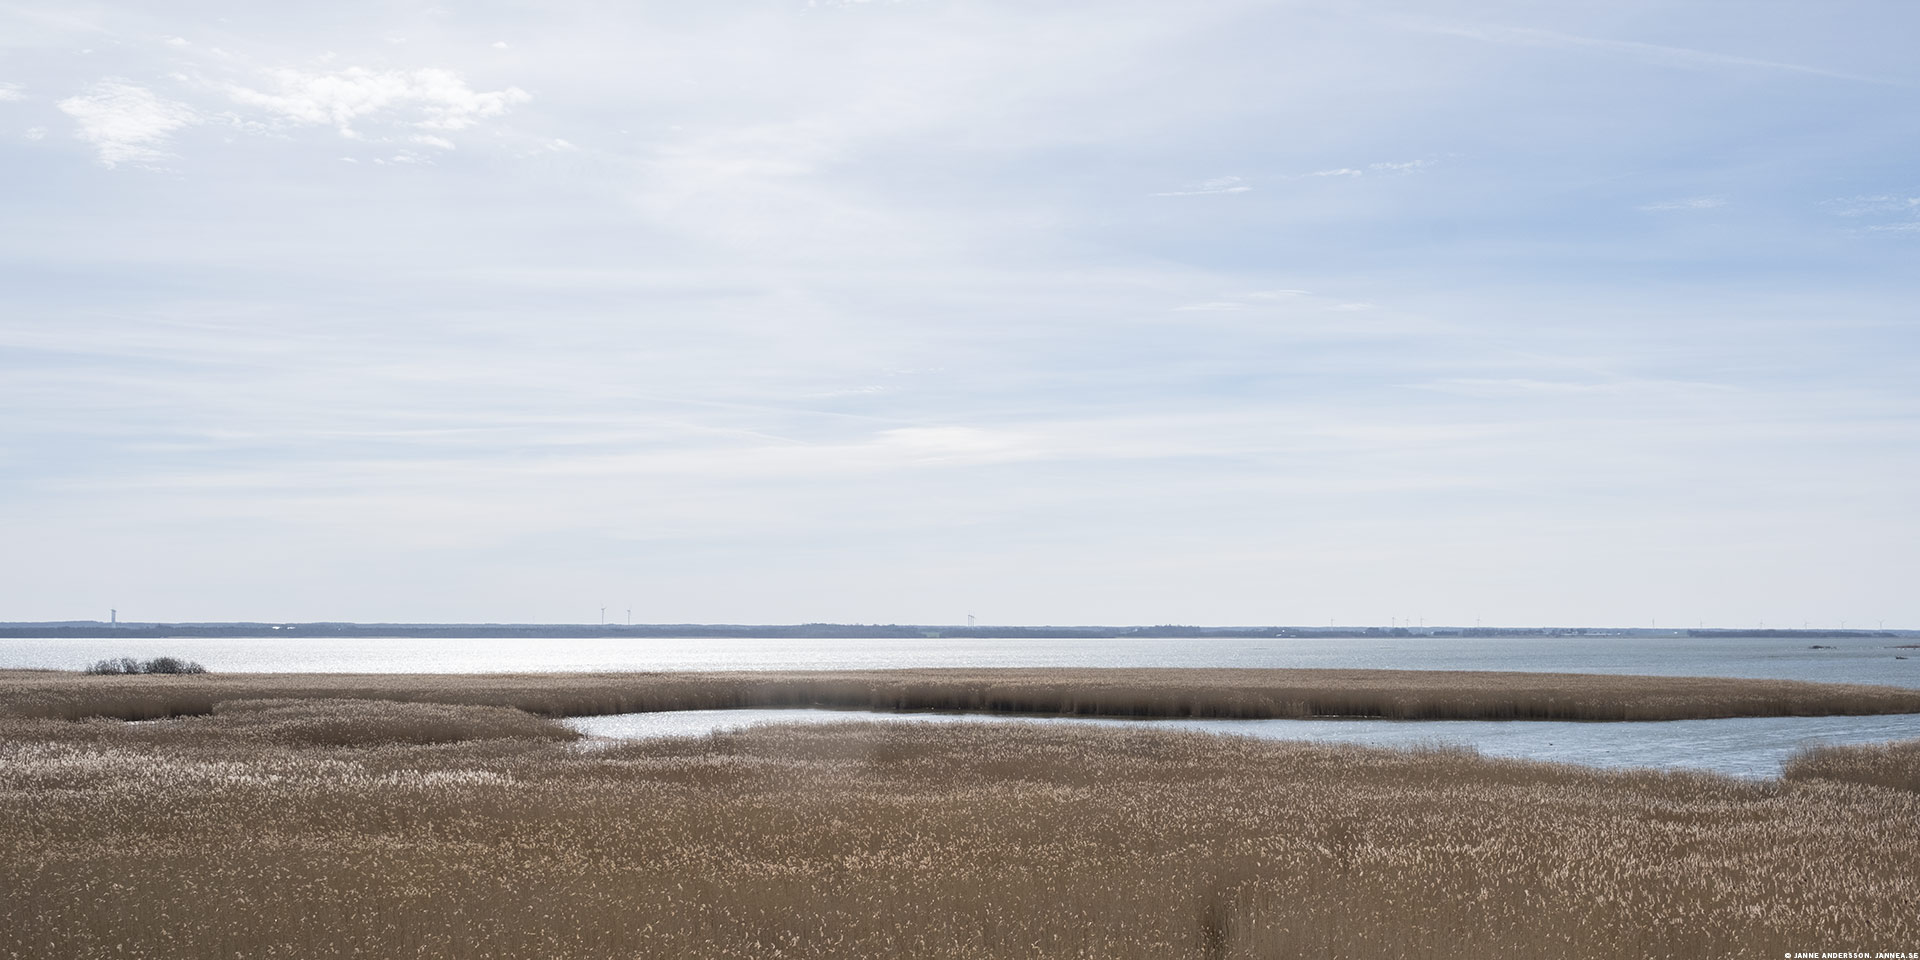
{"x": 1895, "y": 765}
{"x": 1246, "y": 694}
{"x": 225, "y": 836}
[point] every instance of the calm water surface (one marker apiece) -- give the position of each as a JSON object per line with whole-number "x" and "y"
{"x": 1745, "y": 747}
{"x": 1853, "y": 660}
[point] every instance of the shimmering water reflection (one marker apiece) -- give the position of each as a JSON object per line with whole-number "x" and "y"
{"x": 1842, "y": 660}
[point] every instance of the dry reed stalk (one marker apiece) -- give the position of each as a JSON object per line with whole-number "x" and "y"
{"x": 216, "y": 837}
{"x": 1250, "y": 694}
{"x": 1895, "y": 765}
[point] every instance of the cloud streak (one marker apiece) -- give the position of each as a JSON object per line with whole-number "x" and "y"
{"x": 127, "y": 124}
{"x": 425, "y": 99}
{"x": 1689, "y": 203}
{"x": 1649, "y": 52}
{"x": 1210, "y": 187}
{"x": 1000, "y": 301}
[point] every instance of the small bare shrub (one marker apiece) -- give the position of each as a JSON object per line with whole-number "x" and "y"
{"x": 115, "y": 665}
{"x": 172, "y": 665}
{"x": 128, "y": 665}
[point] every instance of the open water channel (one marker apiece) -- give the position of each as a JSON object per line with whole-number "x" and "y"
{"x": 1742, "y": 747}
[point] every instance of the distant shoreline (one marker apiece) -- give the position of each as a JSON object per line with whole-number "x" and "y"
{"x": 1218, "y": 693}
{"x": 855, "y": 631}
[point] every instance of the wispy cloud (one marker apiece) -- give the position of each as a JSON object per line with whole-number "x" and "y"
{"x": 1383, "y": 168}
{"x": 1688, "y": 203}
{"x": 1532, "y": 387}
{"x": 1204, "y": 188}
{"x": 428, "y": 98}
{"x": 12, "y": 91}
{"x": 1652, "y": 52}
{"x": 127, "y": 123}
{"x": 1880, "y": 204}
{"x": 815, "y": 291}
{"x": 407, "y": 158}
{"x": 1899, "y": 214}
{"x": 131, "y": 124}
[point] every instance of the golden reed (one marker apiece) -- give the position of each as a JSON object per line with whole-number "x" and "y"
{"x": 353, "y": 828}
{"x": 1248, "y": 694}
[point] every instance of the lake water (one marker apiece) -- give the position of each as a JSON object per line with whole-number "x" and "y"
{"x": 1852, "y": 659}
{"x": 1744, "y": 747}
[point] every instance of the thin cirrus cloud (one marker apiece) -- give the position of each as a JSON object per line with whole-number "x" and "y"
{"x": 869, "y": 305}
{"x": 127, "y": 124}
{"x": 131, "y": 125}
{"x": 427, "y": 99}
{"x": 1862, "y": 206}
{"x": 1687, "y": 203}
{"x": 1209, "y": 187}
{"x": 1383, "y": 168}
{"x": 1882, "y": 215}
{"x": 1653, "y": 52}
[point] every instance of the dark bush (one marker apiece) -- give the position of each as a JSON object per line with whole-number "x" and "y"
{"x": 120, "y": 665}
{"x": 172, "y": 665}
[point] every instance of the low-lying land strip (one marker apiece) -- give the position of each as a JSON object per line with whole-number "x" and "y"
{"x": 1894, "y": 764}
{"x": 322, "y": 829}
{"x": 1245, "y": 694}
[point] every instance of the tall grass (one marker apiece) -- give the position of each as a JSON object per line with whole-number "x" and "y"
{"x": 1401, "y": 694}
{"x": 1895, "y": 765}
{"x": 343, "y": 723}
{"x": 218, "y": 836}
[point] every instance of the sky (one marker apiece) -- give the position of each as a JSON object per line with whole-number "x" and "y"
{"x": 773, "y": 311}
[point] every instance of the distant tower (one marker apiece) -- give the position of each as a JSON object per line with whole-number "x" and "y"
{"x": 969, "y": 620}
{"x": 113, "y": 617}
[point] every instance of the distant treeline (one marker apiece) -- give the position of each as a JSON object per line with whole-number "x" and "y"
{"x": 848, "y": 631}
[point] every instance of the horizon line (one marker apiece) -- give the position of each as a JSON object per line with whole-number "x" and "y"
{"x": 574, "y": 625}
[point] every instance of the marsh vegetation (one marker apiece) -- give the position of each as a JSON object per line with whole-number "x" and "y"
{"x": 345, "y": 828}
{"x": 1895, "y": 765}
{"x": 1221, "y": 693}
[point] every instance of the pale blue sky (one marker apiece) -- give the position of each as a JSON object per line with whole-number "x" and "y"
{"x": 779, "y": 311}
